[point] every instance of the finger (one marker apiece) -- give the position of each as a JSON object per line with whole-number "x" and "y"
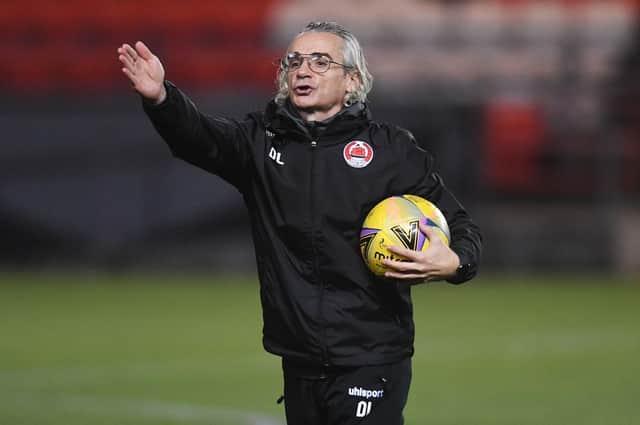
{"x": 405, "y": 276}
{"x": 130, "y": 51}
{"x": 402, "y": 266}
{"x": 404, "y": 252}
{"x": 417, "y": 281}
{"x": 126, "y": 61}
{"x": 424, "y": 227}
{"x": 125, "y": 49}
{"x": 433, "y": 233}
{"x": 432, "y": 277}
{"x": 130, "y": 75}
{"x": 427, "y": 230}
{"x": 143, "y": 50}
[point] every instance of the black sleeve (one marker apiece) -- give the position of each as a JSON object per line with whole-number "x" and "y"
{"x": 466, "y": 240}
{"x": 218, "y": 145}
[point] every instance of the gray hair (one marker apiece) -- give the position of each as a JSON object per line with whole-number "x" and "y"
{"x": 353, "y": 58}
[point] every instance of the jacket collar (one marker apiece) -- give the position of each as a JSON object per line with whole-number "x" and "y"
{"x": 284, "y": 120}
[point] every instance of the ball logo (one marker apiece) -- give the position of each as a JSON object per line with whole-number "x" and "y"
{"x": 358, "y": 154}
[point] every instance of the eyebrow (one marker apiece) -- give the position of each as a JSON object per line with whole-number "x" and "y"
{"x": 312, "y": 54}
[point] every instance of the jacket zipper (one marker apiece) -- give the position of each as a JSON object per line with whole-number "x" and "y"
{"x": 323, "y": 337}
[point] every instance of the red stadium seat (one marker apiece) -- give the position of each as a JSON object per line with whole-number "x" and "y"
{"x": 250, "y": 68}
{"x": 72, "y": 44}
{"x": 514, "y": 139}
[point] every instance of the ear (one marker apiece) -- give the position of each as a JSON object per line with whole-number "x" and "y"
{"x": 353, "y": 81}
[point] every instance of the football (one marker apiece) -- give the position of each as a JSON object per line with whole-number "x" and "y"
{"x": 394, "y": 221}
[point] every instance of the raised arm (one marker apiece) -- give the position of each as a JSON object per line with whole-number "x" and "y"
{"x": 216, "y": 144}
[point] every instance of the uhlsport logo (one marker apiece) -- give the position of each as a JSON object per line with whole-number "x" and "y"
{"x": 363, "y": 408}
{"x": 358, "y": 154}
{"x": 364, "y": 393}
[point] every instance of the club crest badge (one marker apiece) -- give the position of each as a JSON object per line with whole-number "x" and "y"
{"x": 358, "y": 154}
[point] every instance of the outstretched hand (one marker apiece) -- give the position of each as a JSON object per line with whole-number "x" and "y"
{"x": 144, "y": 69}
{"x": 437, "y": 262}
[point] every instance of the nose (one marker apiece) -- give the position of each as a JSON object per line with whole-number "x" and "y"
{"x": 305, "y": 67}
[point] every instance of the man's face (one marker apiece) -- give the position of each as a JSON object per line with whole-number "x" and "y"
{"x": 319, "y": 96}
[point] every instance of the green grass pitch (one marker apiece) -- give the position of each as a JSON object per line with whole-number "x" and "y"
{"x": 145, "y": 349}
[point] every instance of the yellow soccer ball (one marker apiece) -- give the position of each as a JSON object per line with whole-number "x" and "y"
{"x": 395, "y": 221}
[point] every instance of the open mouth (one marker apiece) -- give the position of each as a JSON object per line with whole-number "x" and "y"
{"x": 303, "y": 90}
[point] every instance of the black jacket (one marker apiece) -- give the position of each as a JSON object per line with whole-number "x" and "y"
{"x": 306, "y": 204}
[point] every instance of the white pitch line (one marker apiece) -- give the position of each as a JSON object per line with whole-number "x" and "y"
{"x": 80, "y": 374}
{"x": 148, "y": 409}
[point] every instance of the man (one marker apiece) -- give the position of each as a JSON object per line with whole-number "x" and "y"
{"x": 345, "y": 336}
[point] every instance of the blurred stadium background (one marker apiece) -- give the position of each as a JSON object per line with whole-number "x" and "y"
{"x": 127, "y": 277}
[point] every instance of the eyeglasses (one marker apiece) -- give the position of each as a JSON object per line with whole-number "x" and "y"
{"x": 317, "y": 62}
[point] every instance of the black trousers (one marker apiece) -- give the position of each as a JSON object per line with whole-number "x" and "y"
{"x": 369, "y": 395}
